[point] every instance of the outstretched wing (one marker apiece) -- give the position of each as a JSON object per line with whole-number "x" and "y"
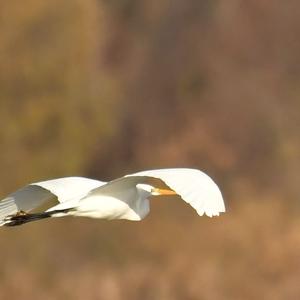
{"x": 41, "y": 196}
{"x": 193, "y": 186}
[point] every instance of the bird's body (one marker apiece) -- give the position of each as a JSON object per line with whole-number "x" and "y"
{"x": 123, "y": 198}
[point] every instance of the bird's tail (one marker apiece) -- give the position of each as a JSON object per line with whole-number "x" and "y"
{"x": 22, "y": 217}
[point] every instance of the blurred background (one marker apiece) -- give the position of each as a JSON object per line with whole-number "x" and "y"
{"x": 105, "y": 88}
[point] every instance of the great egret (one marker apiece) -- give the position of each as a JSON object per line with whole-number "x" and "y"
{"x": 123, "y": 198}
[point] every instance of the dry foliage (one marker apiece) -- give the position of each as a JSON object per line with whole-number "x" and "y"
{"x": 102, "y": 88}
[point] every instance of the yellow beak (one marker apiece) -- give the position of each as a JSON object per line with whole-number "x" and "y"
{"x": 163, "y": 191}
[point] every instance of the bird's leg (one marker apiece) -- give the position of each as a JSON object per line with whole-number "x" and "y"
{"x": 17, "y": 219}
{"x": 22, "y": 217}
{"x": 20, "y": 213}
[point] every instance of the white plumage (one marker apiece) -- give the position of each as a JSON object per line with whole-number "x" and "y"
{"x": 123, "y": 198}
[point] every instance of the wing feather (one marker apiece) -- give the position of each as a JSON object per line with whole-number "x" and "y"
{"x": 46, "y": 195}
{"x": 68, "y": 188}
{"x": 26, "y": 199}
{"x": 193, "y": 186}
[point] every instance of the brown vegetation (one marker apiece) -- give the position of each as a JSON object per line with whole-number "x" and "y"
{"x": 103, "y": 88}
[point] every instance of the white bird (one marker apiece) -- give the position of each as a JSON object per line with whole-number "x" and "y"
{"x": 124, "y": 198}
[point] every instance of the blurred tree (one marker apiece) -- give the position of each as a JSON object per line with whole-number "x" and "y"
{"x": 104, "y": 87}
{"x": 54, "y": 100}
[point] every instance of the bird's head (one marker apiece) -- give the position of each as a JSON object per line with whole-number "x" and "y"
{"x": 151, "y": 190}
{"x": 145, "y": 188}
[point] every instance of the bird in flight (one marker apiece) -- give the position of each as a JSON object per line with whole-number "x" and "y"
{"x": 124, "y": 198}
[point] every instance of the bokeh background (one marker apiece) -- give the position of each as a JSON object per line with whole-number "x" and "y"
{"x": 105, "y": 88}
